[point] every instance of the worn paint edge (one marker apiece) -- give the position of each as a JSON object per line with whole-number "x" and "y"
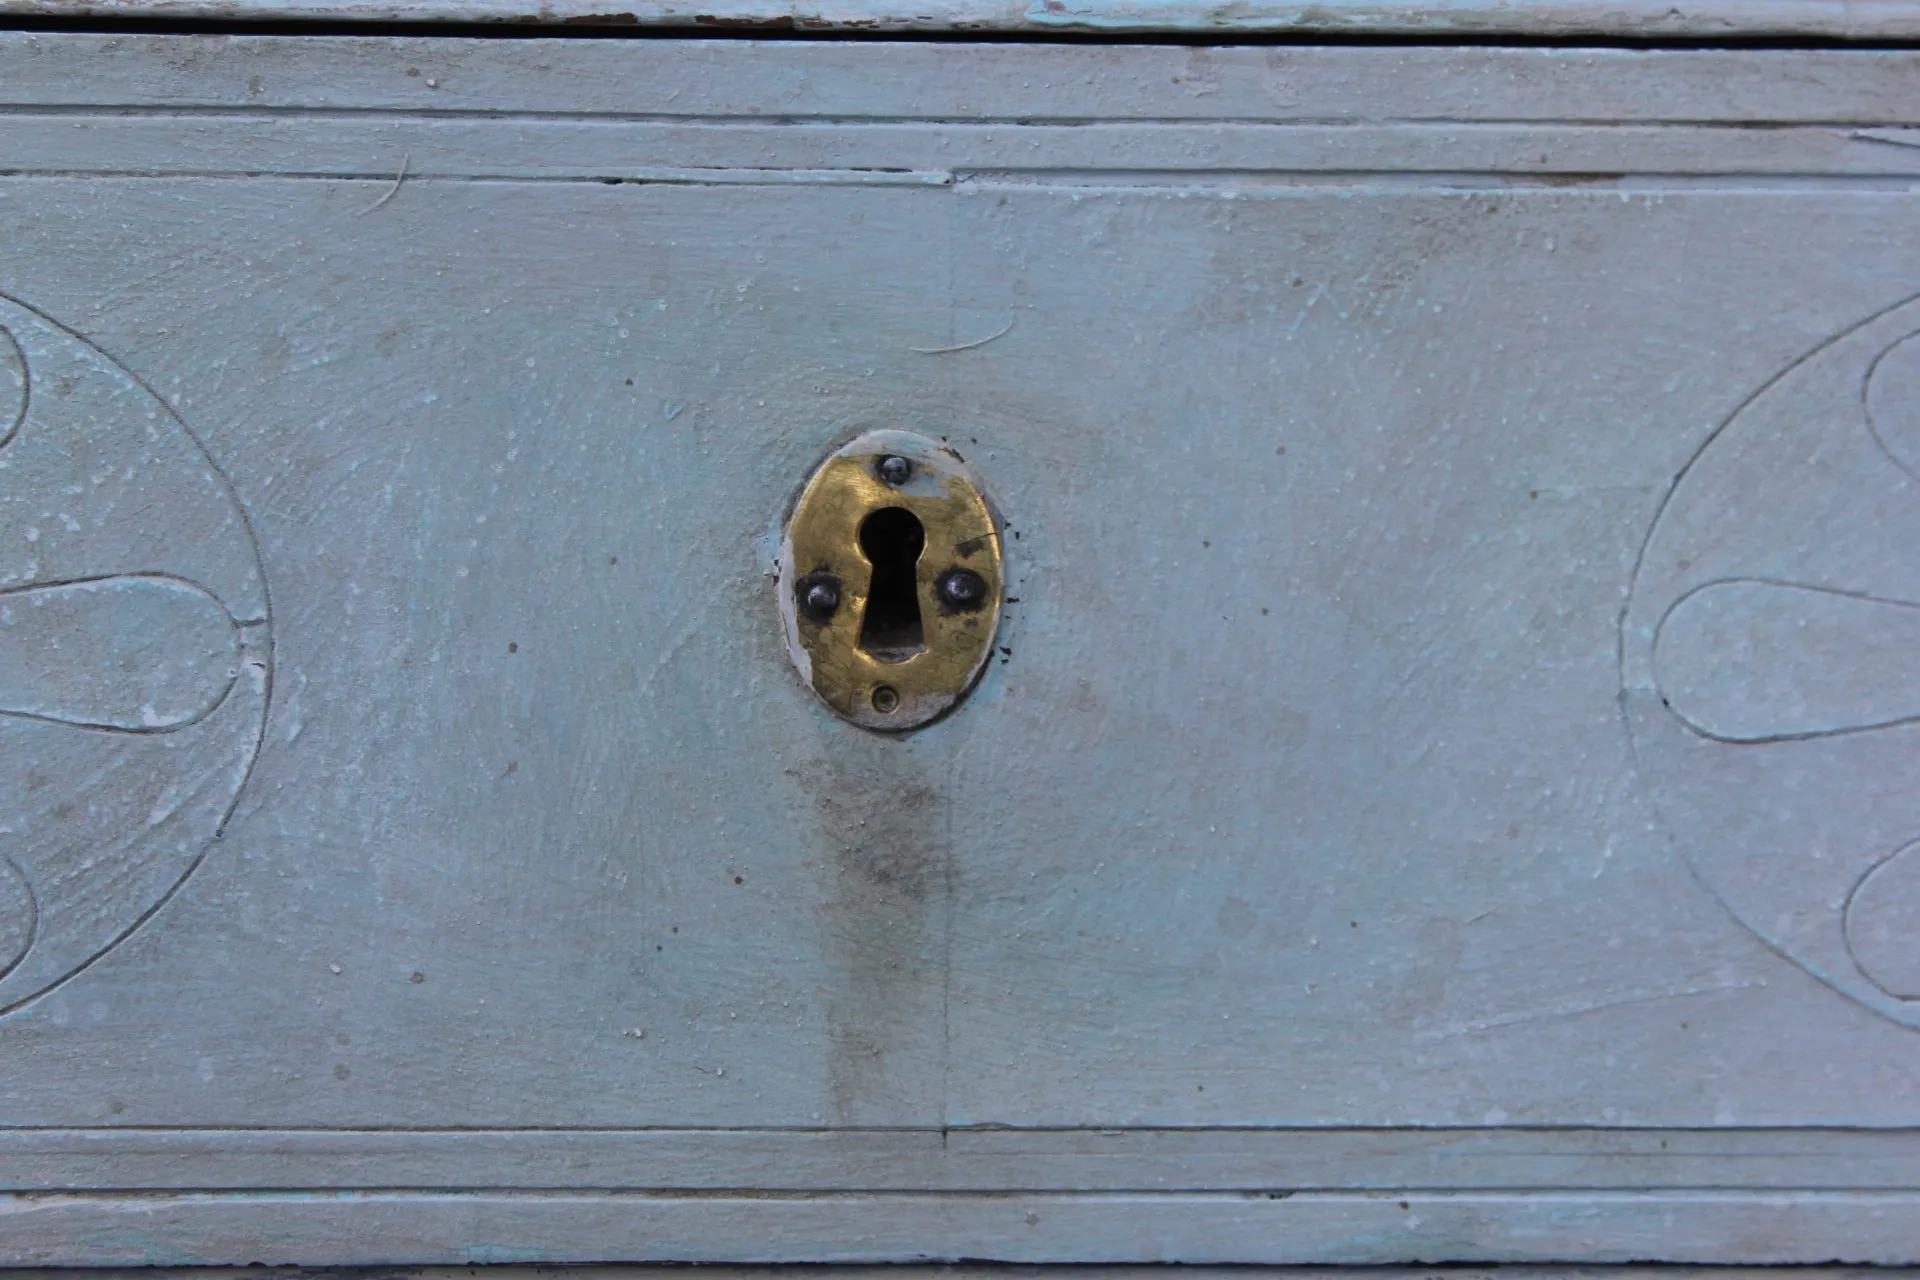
{"x": 1540, "y": 19}
{"x": 402, "y": 1227}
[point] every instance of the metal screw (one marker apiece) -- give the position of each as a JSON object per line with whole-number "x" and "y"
{"x": 962, "y": 589}
{"x": 885, "y": 699}
{"x": 894, "y": 469}
{"x": 819, "y": 596}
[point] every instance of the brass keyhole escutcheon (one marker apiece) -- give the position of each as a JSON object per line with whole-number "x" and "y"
{"x": 891, "y": 580}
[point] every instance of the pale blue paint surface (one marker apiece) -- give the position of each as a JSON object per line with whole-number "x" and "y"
{"x": 1339, "y": 866}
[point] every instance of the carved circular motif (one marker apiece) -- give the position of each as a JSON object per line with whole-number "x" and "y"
{"x": 18, "y": 916}
{"x": 1893, "y": 402}
{"x": 135, "y": 653}
{"x": 1770, "y": 661}
{"x": 13, "y": 386}
{"x": 1883, "y": 924}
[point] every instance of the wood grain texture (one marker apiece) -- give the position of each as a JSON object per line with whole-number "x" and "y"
{"x": 1622, "y": 158}
{"x": 387, "y": 1228}
{"x": 961, "y": 1160}
{"x": 814, "y": 81}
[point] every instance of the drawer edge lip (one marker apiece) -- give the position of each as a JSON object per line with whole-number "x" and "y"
{"x": 1751, "y": 99}
{"x": 1570, "y": 20}
{"x": 769, "y": 1162}
{"x": 399, "y": 1228}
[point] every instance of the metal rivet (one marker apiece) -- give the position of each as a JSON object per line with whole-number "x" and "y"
{"x": 894, "y": 469}
{"x": 818, "y": 596}
{"x": 962, "y": 589}
{"x": 885, "y": 699}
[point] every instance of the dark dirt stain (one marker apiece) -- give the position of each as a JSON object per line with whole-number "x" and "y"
{"x": 1236, "y": 919}
{"x": 602, "y": 20}
{"x": 880, "y": 838}
{"x": 388, "y": 341}
{"x": 1423, "y": 987}
{"x": 1576, "y": 179}
{"x": 783, "y": 22}
{"x": 885, "y": 848}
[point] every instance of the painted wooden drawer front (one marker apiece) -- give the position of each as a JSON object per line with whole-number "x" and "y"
{"x": 1444, "y": 782}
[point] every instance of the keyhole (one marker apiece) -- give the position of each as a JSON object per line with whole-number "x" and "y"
{"x": 892, "y": 539}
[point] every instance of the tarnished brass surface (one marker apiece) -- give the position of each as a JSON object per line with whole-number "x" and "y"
{"x": 882, "y": 687}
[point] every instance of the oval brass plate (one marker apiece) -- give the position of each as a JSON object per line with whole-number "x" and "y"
{"x": 891, "y": 580}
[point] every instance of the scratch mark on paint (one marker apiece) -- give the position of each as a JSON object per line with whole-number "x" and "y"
{"x": 1300, "y": 319}
{"x": 964, "y": 346}
{"x": 1579, "y": 1010}
{"x": 1884, "y": 138}
{"x": 393, "y": 190}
